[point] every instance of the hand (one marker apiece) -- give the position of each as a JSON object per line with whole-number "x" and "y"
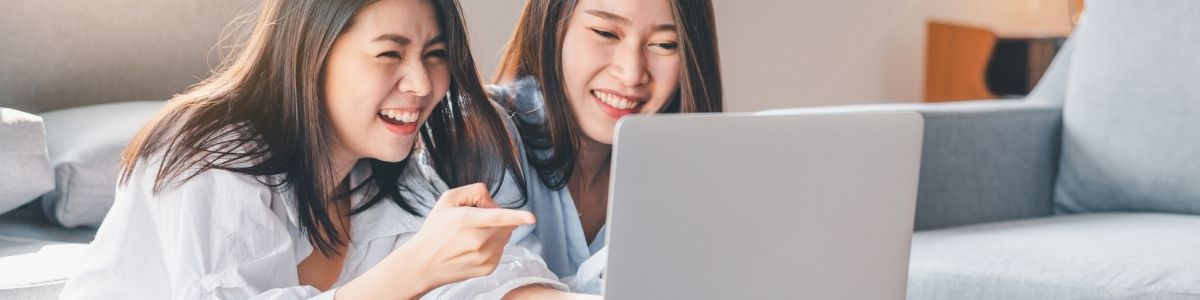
{"x": 464, "y": 235}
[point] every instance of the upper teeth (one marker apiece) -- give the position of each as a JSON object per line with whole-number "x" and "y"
{"x": 615, "y": 101}
{"x": 401, "y": 116}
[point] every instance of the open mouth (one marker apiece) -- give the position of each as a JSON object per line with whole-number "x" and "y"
{"x": 402, "y": 122}
{"x": 615, "y": 105}
{"x": 399, "y": 117}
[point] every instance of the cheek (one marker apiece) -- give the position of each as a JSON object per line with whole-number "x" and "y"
{"x": 582, "y": 60}
{"x": 570, "y": 64}
{"x": 440, "y": 80}
{"x": 439, "y": 77}
{"x": 339, "y": 92}
{"x": 351, "y": 97}
{"x": 665, "y": 71}
{"x": 354, "y": 90}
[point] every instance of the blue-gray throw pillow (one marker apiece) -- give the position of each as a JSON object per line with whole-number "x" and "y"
{"x": 85, "y": 147}
{"x": 1131, "y": 119}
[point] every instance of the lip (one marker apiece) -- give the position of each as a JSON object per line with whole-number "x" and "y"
{"x": 398, "y": 128}
{"x": 614, "y": 112}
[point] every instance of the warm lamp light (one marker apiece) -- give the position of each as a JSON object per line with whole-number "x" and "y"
{"x": 1076, "y": 9}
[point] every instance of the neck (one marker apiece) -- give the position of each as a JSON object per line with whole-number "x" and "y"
{"x": 592, "y": 164}
{"x": 342, "y": 164}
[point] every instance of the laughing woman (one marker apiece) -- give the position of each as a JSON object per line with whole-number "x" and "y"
{"x": 572, "y": 69}
{"x": 277, "y": 176}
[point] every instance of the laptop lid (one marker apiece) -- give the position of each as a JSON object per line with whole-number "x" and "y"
{"x": 762, "y": 207}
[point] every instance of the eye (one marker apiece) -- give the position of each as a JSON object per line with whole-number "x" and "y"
{"x": 664, "y": 48}
{"x": 605, "y": 34}
{"x": 389, "y": 55}
{"x": 439, "y": 54}
{"x": 667, "y": 45}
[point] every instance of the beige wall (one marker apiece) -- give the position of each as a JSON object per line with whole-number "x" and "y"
{"x": 492, "y": 23}
{"x": 789, "y": 53}
{"x": 60, "y": 54}
{"x": 805, "y": 53}
{"x": 776, "y": 53}
{"x": 1005, "y": 16}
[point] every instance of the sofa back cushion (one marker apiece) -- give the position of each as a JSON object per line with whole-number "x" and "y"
{"x": 62, "y": 54}
{"x": 1131, "y": 119}
{"x": 85, "y": 145}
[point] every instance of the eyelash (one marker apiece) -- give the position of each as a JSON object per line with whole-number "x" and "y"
{"x": 613, "y": 36}
{"x": 667, "y": 46}
{"x": 605, "y": 34}
{"x": 440, "y": 53}
{"x": 389, "y": 54}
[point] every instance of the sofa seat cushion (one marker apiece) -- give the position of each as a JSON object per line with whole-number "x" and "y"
{"x": 30, "y": 223}
{"x": 85, "y": 146}
{"x": 41, "y": 274}
{"x": 1085, "y": 256}
{"x": 36, "y": 256}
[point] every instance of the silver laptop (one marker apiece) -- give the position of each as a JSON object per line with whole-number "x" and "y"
{"x": 815, "y": 206}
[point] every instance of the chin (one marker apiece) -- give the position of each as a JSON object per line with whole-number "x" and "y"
{"x": 394, "y": 156}
{"x": 602, "y": 137}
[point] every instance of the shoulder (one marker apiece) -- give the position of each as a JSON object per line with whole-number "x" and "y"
{"x": 196, "y": 185}
{"x": 521, "y": 97}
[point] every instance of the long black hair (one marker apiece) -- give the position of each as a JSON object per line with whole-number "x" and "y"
{"x": 261, "y": 114}
{"x": 535, "y": 50}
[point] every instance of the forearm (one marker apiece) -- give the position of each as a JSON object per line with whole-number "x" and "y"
{"x": 537, "y": 291}
{"x": 518, "y": 268}
{"x": 392, "y": 278}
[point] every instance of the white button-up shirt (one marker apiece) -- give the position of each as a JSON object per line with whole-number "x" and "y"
{"x": 225, "y": 235}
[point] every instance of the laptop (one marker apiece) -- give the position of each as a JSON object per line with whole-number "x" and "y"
{"x": 721, "y": 206}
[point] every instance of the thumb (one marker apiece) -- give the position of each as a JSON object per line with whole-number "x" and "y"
{"x": 472, "y": 195}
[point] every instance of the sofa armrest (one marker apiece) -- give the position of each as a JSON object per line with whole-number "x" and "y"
{"x": 982, "y": 161}
{"x": 25, "y": 172}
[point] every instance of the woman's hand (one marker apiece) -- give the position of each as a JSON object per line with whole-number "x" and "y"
{"x": 463, "y": 237}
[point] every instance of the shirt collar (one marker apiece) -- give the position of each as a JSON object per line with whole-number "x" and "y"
{"x": 420, "y": 186}
{"x": 385, "y": 218}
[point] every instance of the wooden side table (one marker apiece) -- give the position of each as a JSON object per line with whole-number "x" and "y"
{"x": 968, "y": 62}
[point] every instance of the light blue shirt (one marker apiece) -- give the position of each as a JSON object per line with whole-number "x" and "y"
{"x": 558, "y": 234}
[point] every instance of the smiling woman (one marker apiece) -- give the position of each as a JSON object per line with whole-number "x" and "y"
{"x": 297, "y": 170}
{"x": 571, "y": 71}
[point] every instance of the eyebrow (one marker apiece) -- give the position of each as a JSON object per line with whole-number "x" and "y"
{"x": 405, "y": 41}
{"x": 625, "y": 21}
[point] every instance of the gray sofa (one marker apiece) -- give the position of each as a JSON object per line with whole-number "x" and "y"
{"x": 1087, "y": 189}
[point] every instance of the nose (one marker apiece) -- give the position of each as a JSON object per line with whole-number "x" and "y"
{"x": 629, "y": 66}
{"x": 415, "y": 80}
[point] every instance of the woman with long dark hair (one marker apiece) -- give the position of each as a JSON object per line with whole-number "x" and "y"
{"x": 572, "y": 69}
{"x": 318, "y": 161}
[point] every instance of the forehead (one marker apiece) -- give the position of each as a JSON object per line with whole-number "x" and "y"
{"x": 639, "y": 12}
{"x": 416, "y": 19}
